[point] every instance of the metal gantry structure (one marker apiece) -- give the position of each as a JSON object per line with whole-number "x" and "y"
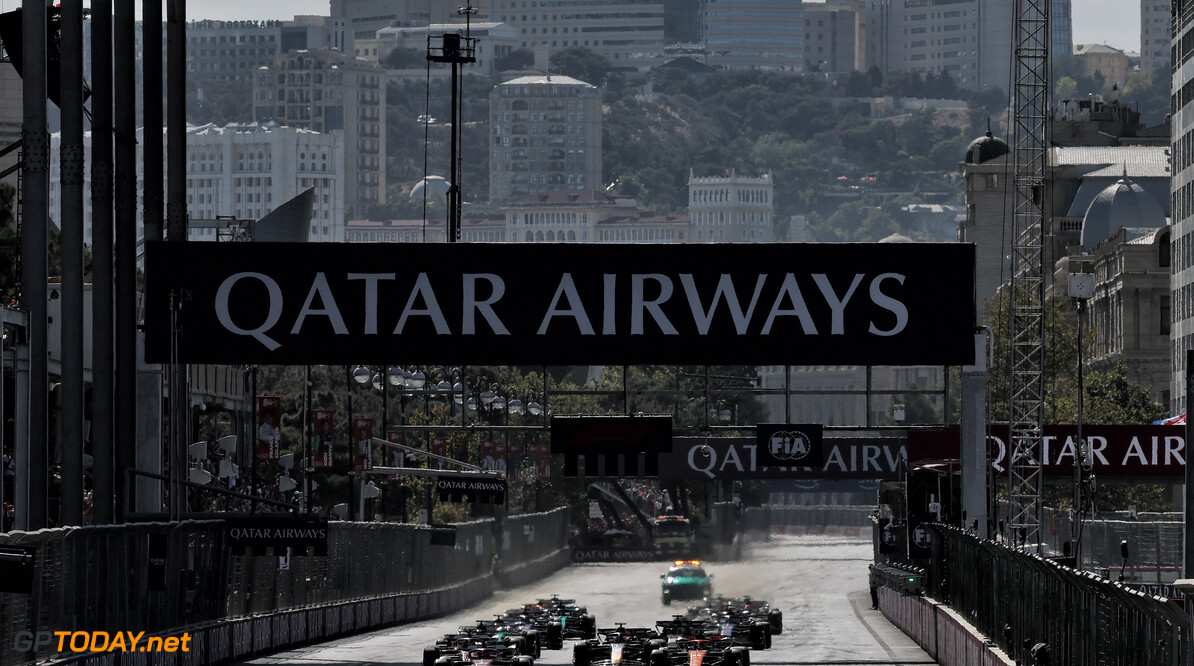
{"x": 1027, "y": 293}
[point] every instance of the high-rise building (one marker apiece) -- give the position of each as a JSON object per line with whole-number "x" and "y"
{"x": 755, "y": 34}
{"x": 1181, "y": 333}
{"x": 361, "y": 19}
{"x": 546, "y": 135}
{"x": 324, "y": 91}
{"x": 1156, "y": 29}
{"x": 235, "y": 49}
{"x": 731, "y": 209}
{"x": 684, "y": 21}
{"x": 629, "y": 33}
{"x": 831, "y": 38}
{"x": 1061, "y": 28}
{"x": 968, "y": 39}
{"x": 243, "y": 171}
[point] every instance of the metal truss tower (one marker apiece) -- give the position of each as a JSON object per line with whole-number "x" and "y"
{"x": 1027, "y": 293}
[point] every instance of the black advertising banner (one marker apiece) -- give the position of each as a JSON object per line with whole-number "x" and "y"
{"x": 564, "y": 304}
{"x": 736, "y": 458}
{"x": 615, "y": 437}
{"x": 920, "y": 538}
{"x": 485, "y": 491}
{"x": 789, "y": 444}
{"x": 297, "y": 532}
{"x": 1114, "y": 451}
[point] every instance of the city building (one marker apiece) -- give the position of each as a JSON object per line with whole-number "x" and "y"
{"x": 684, "y": 21}
{"x": 1078, "y": 170}
{"x": 325, "y": 91}
{"x": 494, "y": 41}
{"x": 241, "y": 171}
{"x": 246, "y": 171}
{"x": 757, "y": 34}
{"x": 234, "y": 50}
{"x": 361, "y": 19}
{"x": 731, "y": 208}
{"x": 1182, "y": 241}
{"x": 546, "y": 136}
{"x": 833, "y": 37}
{"x": 1061, "y": 27}
{"x": 968, "y": 39}
{"x": 1156, "y": 28}
{"x": 629, "y": 33}
{"x": 1102, "y": 60}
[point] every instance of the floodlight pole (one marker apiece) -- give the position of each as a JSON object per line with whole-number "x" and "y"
{"x": 456, "y": 50}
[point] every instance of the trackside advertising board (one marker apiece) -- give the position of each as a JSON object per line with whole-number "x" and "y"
{"x": 564, "y": 304}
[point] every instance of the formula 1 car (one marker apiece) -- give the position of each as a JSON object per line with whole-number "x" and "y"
{"x": 742, "y": 631}
{"x": 559, "y": 619}
{"x": 489, "y": 636}
{"x": 710, "y": 650}
{"x": 685, "y": 579}
{"x": 619, "y": 646}
{"x": 484, "y": 656}
{"x": 743, "y": 618}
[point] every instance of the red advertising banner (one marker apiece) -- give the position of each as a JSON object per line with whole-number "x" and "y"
{"x": 1123, "y": 451}
{"x": 439, "y": 446}
{"x": 269, "y": 435}
{"x": 362, "y": 444}
{"x": 396, "y": 457}
{"x": 325, "y": 433}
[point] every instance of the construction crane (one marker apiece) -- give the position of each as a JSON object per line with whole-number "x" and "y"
{"x": 1027, "y": 293}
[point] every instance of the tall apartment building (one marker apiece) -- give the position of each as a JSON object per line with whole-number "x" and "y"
{"x": 971, "y": 40}
{"x": 1181, "y": 333}
{"x": 245, "y": 171}
{"x": 1061, "y": 28}
{"x": 248, "y": 170}
{"x": 1156, "y": 29}
{"x": 629, "y": 33}
{"x": 684, "y": 21}
{"x": 361, "y": 19}
{"x": 324, "y": 91}
{"x": 832, "y": 35}
{"x": 731, "y": 209}
{"x": 234, "y": 50}
{"x": 755, "y": 34}
{"x": 546, "y": 135}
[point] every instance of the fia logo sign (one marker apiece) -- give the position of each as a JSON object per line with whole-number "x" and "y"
{"x": 789, "y": 445}
{"x": 922, "y": 537}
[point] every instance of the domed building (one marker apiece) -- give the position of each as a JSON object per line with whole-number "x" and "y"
{"x": 986, "y": 147}
{"x": 1122, "y": 203}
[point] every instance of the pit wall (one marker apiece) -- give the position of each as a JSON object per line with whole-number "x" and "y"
{"x": 939, "y": 631}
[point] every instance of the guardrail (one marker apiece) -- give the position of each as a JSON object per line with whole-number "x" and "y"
{"x": 1011, "y": 597}
{"x": 94, "y": 578}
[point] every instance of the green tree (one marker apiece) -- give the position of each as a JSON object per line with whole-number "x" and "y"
{"x": 516, "y": 59}
{"x": 582, "y": 64}
{"x": 404, "y": 59}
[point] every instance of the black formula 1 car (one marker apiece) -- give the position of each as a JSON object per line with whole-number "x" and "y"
{"x": 504, "y": 646}
{"x": 483, "y": 656}
{"x": 618, "y": 646}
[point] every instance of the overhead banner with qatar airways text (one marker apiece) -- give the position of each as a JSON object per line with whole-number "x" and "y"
{"x": 563, "y": 304}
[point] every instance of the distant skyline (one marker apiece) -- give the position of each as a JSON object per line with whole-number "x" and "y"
{"x": 1112, "y": 22}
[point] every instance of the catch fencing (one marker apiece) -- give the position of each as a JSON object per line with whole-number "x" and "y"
{"x": 1012, "y": 597}
{"x": 1154, "y": 543}
{"x": 95, "y": 578}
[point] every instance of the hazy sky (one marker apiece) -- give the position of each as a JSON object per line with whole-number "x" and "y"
{"x": 1112, "y": 22}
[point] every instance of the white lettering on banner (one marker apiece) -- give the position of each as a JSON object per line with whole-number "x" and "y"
{"x": 271, "y": 317}
{"x": 638, "y": 303}
{"x": 705, "y": 459}
{"x": 319, "y": 286}
{"x": 838, "y": 306}
{"x": 725, "y": 287}
{"x": 890, "y": 304}
{"x": 485, "y": 307}
{"x": 1135, "y": 452}
{"x": 423, "y": 288}
{"x": 575, "y": 308}
{"x": 645, "y": 302}
{"x": 370, "y": 297}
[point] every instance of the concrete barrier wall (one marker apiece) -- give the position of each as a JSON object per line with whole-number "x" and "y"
{"x": 940, "y": 632}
